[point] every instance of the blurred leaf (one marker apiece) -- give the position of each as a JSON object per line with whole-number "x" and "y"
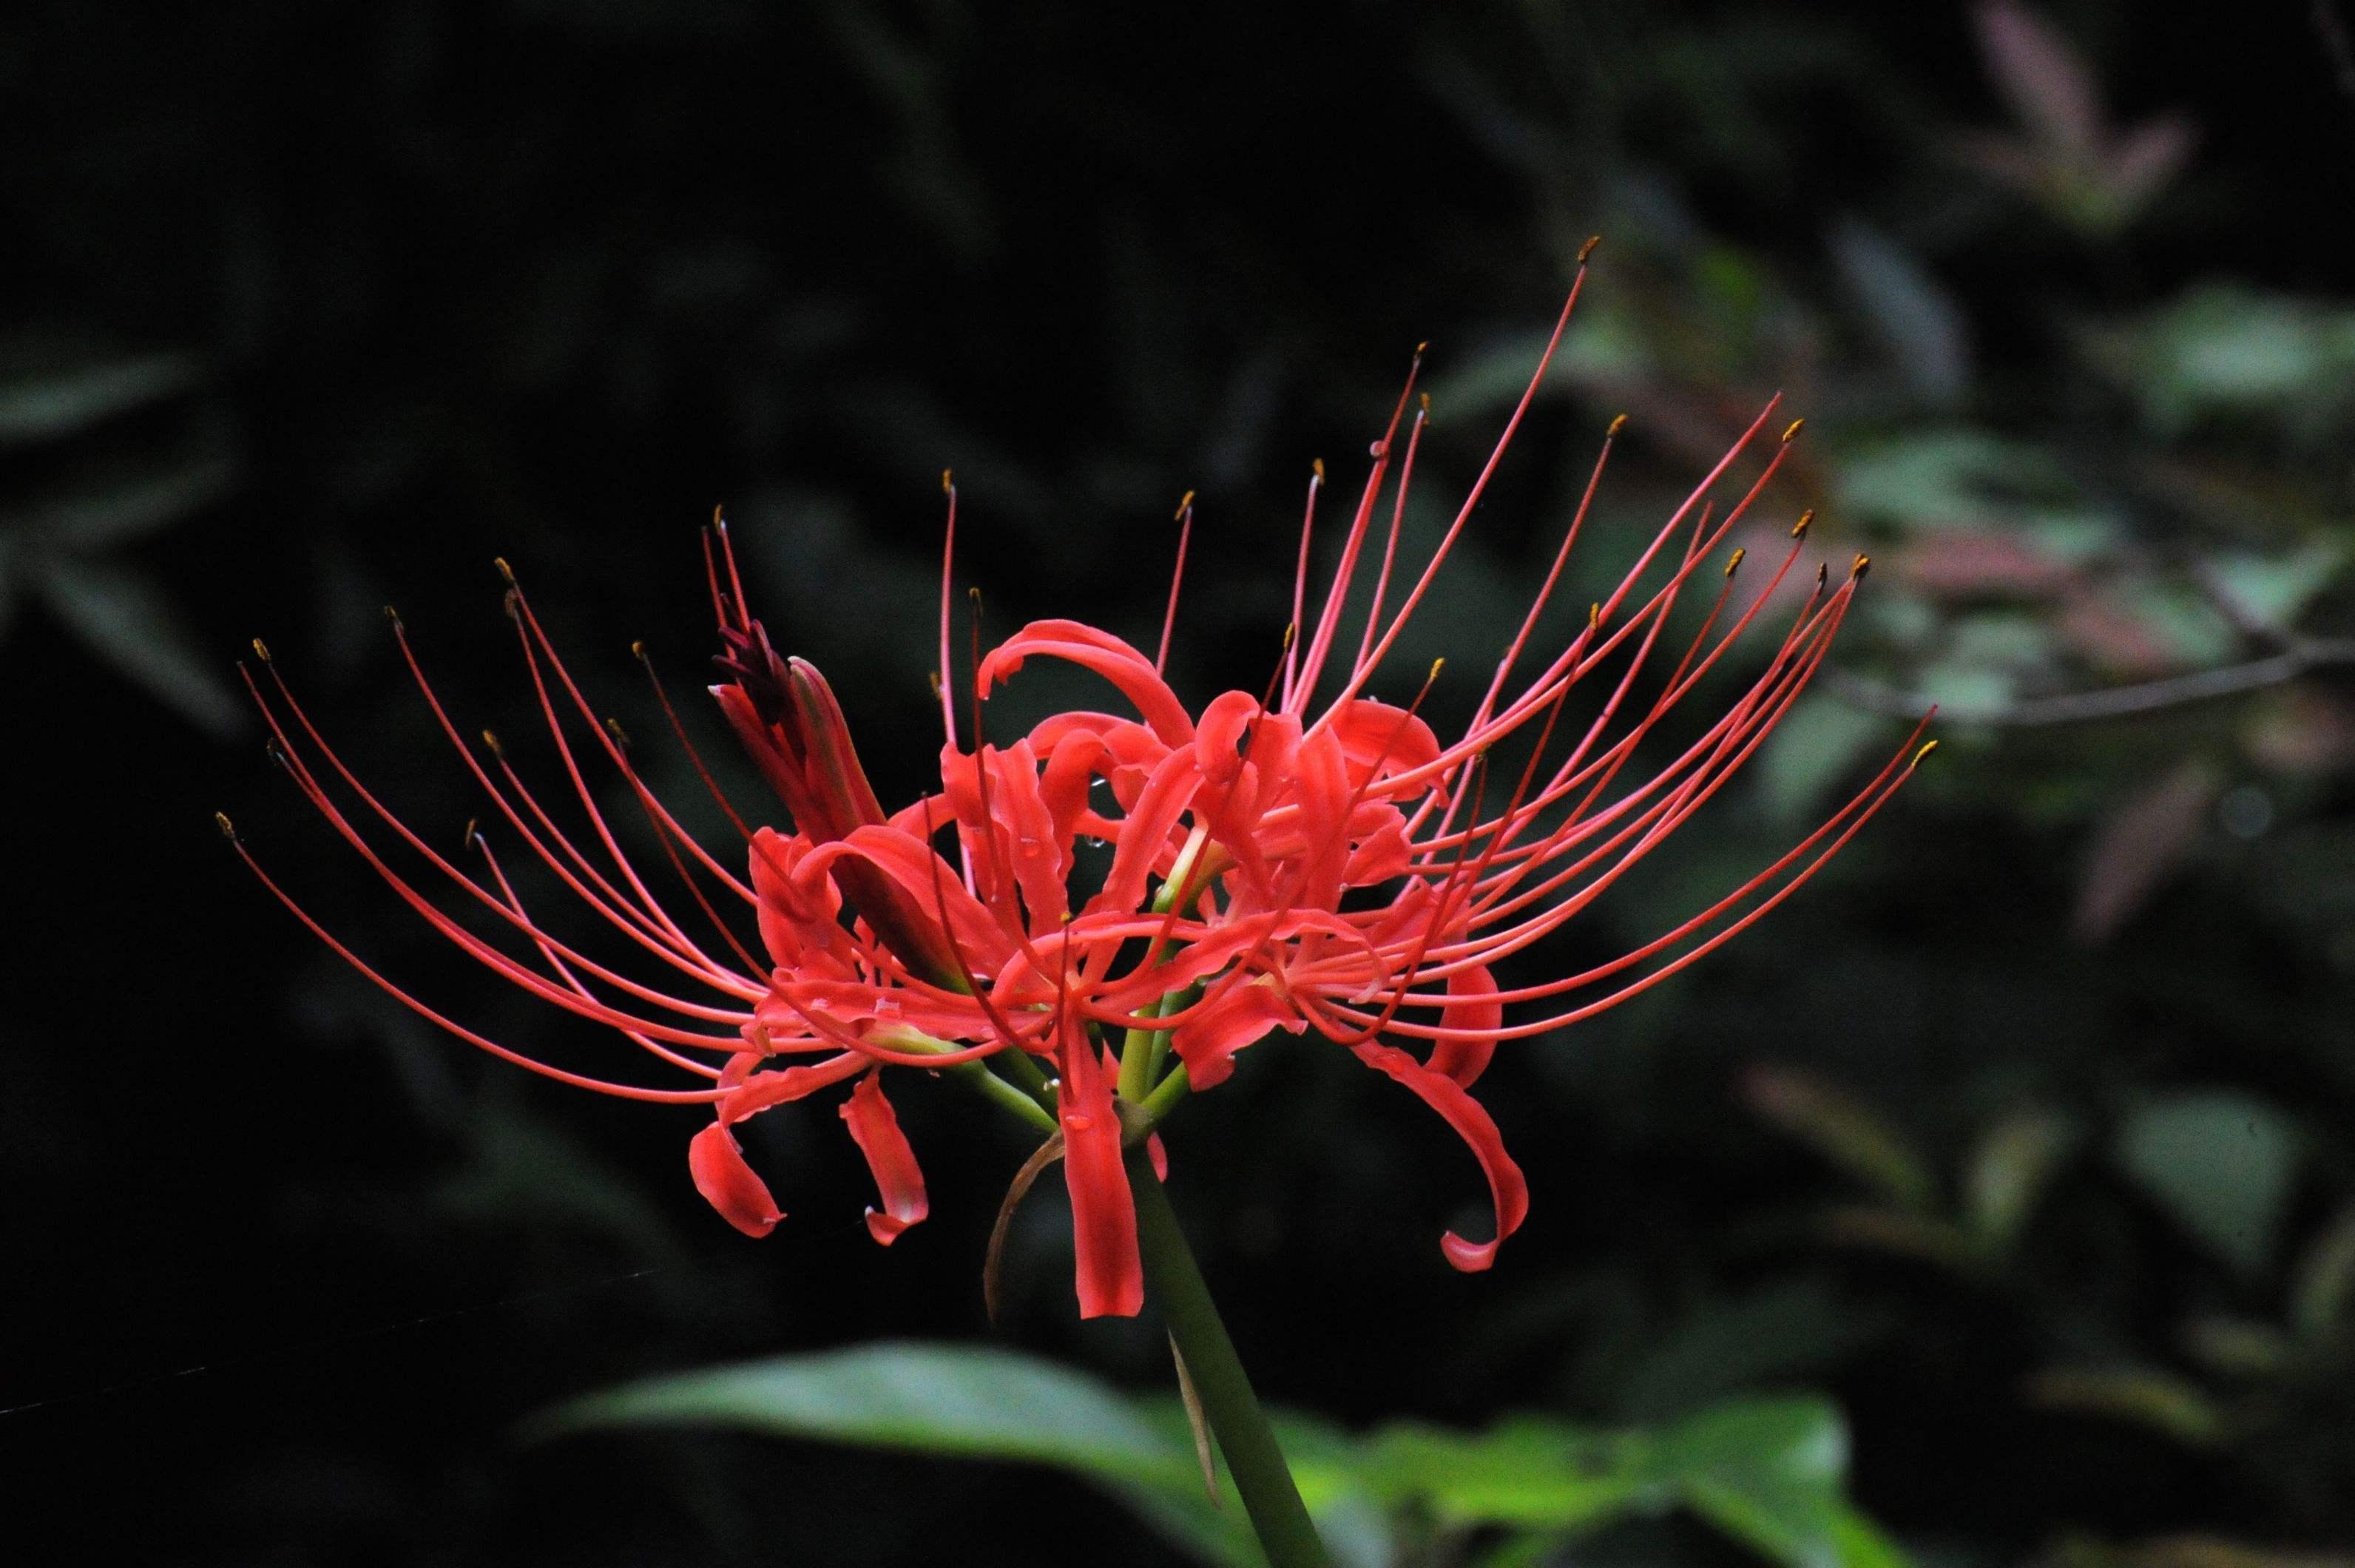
{"x": 2220, "y": 1162}
{"x": 1917, "y": 321}
{"x": 2138, "y": 842}
{"x": 1845, "y": 1131}
{"x": 46, "y": 406}
{"x": 1767, "y": 1472}
{"x": 1965, "y": 690}
{"x": 120, "y": 613}
{"x": 2236, "y": 1347}
{"x": 969, "y": 1401}
{"x": 1940, "y": 478}
{"x": 1746, "y": 1339}
{"x": 1770, "y": 1473}
{"x": 2325, "y": 1282}
{"x": 96, "y": 516}
{"x": 2009, "y": 1172}
{"x": 2274, "y": 592}
{"x": 1491, "y": 377}
{"x": 1919, "y": 1236}
{"x": 2142, "y": 1396}
{"x": 1819, "y": 741}
{"x": 1528, "y": 1473}
{"x": 2041, "y": 76}
{"x": 2225, "y": 349}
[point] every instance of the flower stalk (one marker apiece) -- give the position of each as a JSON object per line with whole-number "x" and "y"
{"x": 1173, "y": 1280}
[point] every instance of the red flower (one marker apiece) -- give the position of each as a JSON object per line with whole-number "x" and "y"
{"x": 1280, "y": 863}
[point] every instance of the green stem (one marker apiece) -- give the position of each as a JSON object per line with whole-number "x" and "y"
{"x": 1277, "y": 1514}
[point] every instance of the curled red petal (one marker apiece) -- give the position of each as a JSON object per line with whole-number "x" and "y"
{"x": 1102, "y": 652}
{"x": 899, "y": 1181}
{"x": 1465, "y": 1060}
{"x": 1507, "y": 1189}
{"x": 758, "y": 1091}
{"x": 727, "y": 1183}
{"x": 1108, "y": 1272}
{"x": 1207, "y": 1042}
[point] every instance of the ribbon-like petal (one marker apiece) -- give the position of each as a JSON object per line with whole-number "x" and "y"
{"x": 899, "y": 1181}
{"x": 1465, "y": 1060}
{"x": 727, "y": 1183}
{"x": 1508, "y": 1190}
{"x": 1109, "y": 1273}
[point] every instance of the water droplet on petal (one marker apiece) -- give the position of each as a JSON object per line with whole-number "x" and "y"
{"x": 1077, "y": 1123}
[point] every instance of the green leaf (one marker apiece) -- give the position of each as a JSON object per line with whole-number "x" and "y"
{"x": 1845, "y": 1131}
{"x": 2009, "y": 1171}
{"x": 59, "y": 402}
{"x": 1943, "y": 478}
{"x": 120, "y": 613}
{"x": 2220, "y": 1162}
{"x": 1770, "y": 1472}
{"x": 2325, "y": 1285}
{"x": 2143, "y": 1396}
{"x": 970, "y": 1402}
{"x": 973, "y": 1400}
{"x": 2272, "y": 591}
{"x": 1530, "y": 1473}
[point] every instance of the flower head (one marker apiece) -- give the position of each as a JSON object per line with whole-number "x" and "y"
{"x": 1310, "y": 861}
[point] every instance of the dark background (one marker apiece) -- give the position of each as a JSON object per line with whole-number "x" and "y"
{"x": 313, "y": 309}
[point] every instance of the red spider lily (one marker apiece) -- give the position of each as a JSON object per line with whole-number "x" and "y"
{"x": 1280, "y": 863}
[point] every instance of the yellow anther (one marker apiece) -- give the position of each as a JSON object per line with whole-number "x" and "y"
{"x": 620, "y": 736}
{"x": 1799, "y": 528}
{"x": 505, "y": 569}
{"x": 1618, "y": 423}
{"x": 1927, "y": 747}
{"x": 1823, "y": 575}
{"x": 1184, "y": 502}
{"x": 1320, "y": 467}
{"x": 1588, "y": 249}
{"x": 1791, "y": 432}
{"x": 948, "y": 481}
{"x": 493, "y": 743}
{"x": 261, "y": 650}
{"x": 1734, "y": 562}
{"x": 229, "y": 829}
{"x": 638, "y": 652}
{"x": 1863, "y": 564}
{"x": 1594, "y": 615}
{"x": 393, "y": 615}
{"x": 1420, "y": 348}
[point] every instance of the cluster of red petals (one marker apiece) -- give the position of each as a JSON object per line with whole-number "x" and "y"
{"x": 1309, "y": 860}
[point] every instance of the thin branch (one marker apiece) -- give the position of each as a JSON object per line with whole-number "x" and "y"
{"x": 2299, "y": 658}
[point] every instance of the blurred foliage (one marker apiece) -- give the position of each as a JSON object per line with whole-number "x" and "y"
{"x": 1767, "y": 1473}
{"x": 2023, "y": 1135}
